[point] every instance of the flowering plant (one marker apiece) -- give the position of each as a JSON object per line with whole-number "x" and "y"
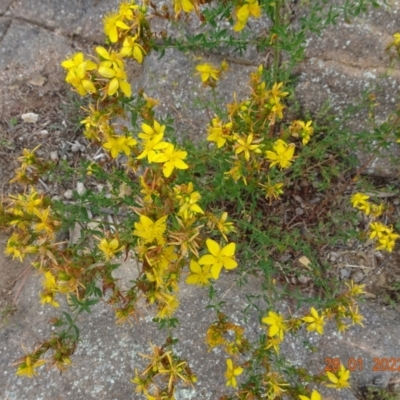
{"x": 170, "y": 217}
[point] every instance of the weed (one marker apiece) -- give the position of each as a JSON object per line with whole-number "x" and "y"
{"x": 265, "y": 197}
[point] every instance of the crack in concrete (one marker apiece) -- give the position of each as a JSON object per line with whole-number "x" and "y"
{"x": 7, "y": 8}
{"x": 75, "y": 38}
{"x": 357, "y": 68}
{"x": 8, "y": 24}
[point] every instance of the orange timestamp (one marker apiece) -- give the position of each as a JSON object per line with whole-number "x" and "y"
{"x": 357, "y": 364}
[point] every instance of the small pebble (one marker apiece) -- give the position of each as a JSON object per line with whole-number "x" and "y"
{"x": 357, "y": 276}
{"x": 299, "y": 211}
{"x": 332, "y": 256}
{"x": 303, "y": 278}
{"x": 75, "y": 147}
{"x": 298, "y": 198}
{"x": 285, "y": 257}
{"x": 54, "y": 155}
{"x": 80, "y": 188}
{"x": 344, "y": 273}
{"x": 30, "y": 118}
{"x": 68, "y": 194}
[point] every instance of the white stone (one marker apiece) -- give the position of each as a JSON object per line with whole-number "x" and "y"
{"x": 80, "y": 188}
{"x": 54, "y": 155}
{"x": 30, "y": 118}
{"x": 69, "y": 194}
{"x": 303, "y": 279}
{"x": 75, "y": 147}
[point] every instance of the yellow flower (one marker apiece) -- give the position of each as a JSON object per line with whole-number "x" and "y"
{"x": 273, "y": 385}
{"x": 171, "y": 158}
{"x": 246, "y": 146}
{"x": 273, "y": 342}
{"x": 149, "y": 132}
{"x": 277, "y": 325}
{"x": 277, "y": 109}
{"x": 117, "y": 78}
{"x": 200, "y": 275}
{"x": 77, "y": 73}
{"x": 377, "y": 229}
{"x": 396, "y": 41}
{"x": 121, "y": 143}
{"x": 50, "y": 287}
{"x": 48, "y": 298}
{"x": 28, "y": 157}
{"x": 110, "y": 59}
{"x": 109, "y": 248}
{"x": 376, "y": 211}
{"x": 31, "y": 202}
{"x": 340, "y": 380}
{"x": 237, "y": 172}
{"x": 149, "y": 230}
{"x": 112, "y": 22}
{"x": 272, "y": 192}
{"x": 190, "y": 206}
{"x": 302, "y": 129}
{"x": 151, "y": 144}
{"x": 231, "y": 373}
{"x": 77, "y": 60}
{"x": 251, "y": 7}
{"x": 388, "y": 240}
{"x": 225, "y": 227}
{"x": 218, "y": 133}
{"x": 359, "y": 200}
{"x": 316, "y": 322}
{"x": 131, "y": 48}
{"x": 355, "y": 290}
{"x": 314, "y": 396}
{"x": 125, "y": 10}
{"x": 185, "y": 5}
{"x": 219, "y": 257}
{"x": 28, "y": 366}
{"x": 276, "y": 92}
{"x": 45, "y": 223}
{"x": 14, "y": 247}
{"x": 282, "y": 154}
{"x": 207, "y": 72}
{"x": 49, "y": 282}
{"x": 356, "y": 318}
{"x": 167, "y": 306}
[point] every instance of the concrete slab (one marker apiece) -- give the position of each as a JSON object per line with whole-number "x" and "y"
{"x": 4, "y": 4}
{"x": 33, "y": 48}
{"x": 347, "y": 60}
{"x": 80, "y": 17}
{"x": 4, "y": 24}
{"x": 173, "y": 81}
{"x": 108, "y": 354}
